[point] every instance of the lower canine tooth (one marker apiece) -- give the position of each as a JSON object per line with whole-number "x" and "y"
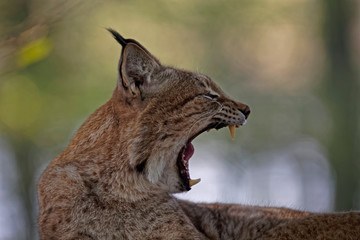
{"x": 192, "y": 182}
{"x": 232, "y": 131}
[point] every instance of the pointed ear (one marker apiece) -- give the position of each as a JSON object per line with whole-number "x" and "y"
{"x": 136, "y": 68}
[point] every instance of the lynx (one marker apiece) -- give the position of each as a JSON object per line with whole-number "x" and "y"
{"x": 116, "y": 178}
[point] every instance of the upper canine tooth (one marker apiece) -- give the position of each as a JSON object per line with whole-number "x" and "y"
{"x": 232, "y": 131}
{"x": 192, "y": 182}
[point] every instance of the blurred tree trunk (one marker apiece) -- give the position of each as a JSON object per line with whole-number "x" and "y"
{"x": 341, "y": 93}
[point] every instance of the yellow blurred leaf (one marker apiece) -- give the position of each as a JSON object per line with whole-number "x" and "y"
{"x": 34, "y": 52}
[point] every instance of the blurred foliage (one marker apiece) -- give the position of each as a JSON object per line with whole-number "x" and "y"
{"x": 294, "y": 62}
{"x": 33, "y": 52}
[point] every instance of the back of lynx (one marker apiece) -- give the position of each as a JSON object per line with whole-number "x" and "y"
{"x": 116, "y": 177}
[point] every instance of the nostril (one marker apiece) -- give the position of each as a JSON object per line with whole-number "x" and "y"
{"x": 246, "y": 111}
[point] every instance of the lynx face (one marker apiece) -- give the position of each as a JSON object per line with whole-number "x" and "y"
{"x": 173, "y": 107}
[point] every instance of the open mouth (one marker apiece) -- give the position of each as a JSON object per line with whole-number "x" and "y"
{"x": 187, "y": 152}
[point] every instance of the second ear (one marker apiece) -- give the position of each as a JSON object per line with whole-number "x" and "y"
{"x": 137, "y": 67}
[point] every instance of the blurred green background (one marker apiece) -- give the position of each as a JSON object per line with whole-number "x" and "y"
{"x": 296, "y": 63}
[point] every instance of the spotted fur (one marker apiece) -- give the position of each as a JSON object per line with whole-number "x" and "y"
{"x": 116, "y": 177}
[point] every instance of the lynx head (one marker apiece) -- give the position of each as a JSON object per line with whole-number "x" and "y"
{"x": 171, "y": 107}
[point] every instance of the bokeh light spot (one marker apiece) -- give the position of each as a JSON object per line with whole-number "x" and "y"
{"x": 20, "y": 103}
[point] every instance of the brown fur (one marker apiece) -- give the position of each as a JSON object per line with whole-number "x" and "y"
{"x": 115, "y": 179}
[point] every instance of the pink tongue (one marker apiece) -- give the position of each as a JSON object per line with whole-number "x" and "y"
{"x": 189, "y": 151}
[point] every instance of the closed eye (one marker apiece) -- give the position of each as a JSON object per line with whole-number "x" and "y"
{"x": 210, "y": 96}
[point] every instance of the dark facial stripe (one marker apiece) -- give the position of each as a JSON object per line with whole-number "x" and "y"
{"x": 141, "y": 166}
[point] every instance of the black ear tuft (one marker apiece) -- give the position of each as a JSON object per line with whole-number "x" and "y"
{"x": 118, "y": 37}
